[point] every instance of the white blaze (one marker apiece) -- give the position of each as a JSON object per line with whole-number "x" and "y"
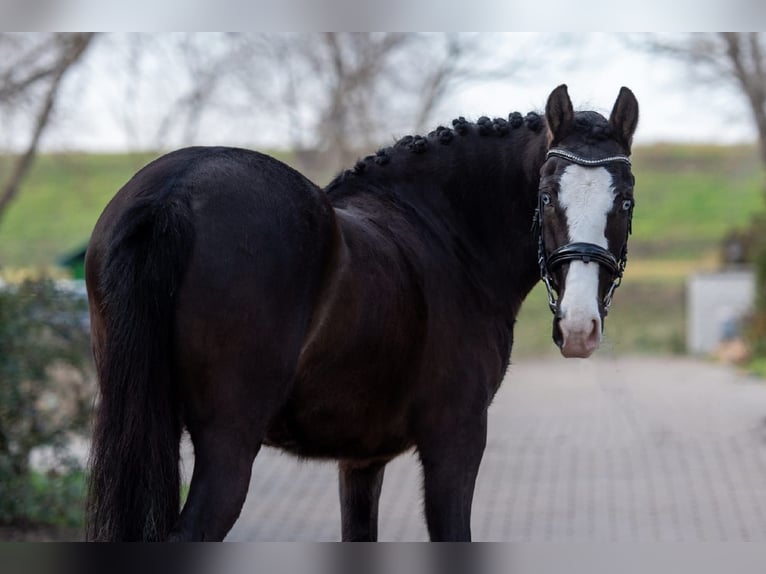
{"x": 587, "y": 195}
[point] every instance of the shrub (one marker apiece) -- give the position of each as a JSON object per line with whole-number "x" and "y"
{"x": 755, "y": 324}
{"x": 46, "y": 393}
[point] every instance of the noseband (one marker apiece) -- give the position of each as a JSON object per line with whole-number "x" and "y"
{"x": 585, "y": 252}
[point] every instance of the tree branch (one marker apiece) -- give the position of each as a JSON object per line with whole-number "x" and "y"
{"x": 73, "y": 47}
{"x": 751, "y": 82}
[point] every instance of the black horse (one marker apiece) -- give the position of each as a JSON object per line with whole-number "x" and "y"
{"x": 232, "y": 297}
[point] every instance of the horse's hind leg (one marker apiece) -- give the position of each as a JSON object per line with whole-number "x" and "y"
{"x": 451, "y": 457}
{"x": 360, "y": 486}
{"x": 228, "y": 406}
{"x": 223, "y": 458}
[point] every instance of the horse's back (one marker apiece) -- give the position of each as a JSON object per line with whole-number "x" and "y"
{"x": 249, "y": 211}
{"x": 231, "y": 192}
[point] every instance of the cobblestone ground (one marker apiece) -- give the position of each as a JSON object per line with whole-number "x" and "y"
{"x": 602, "y": 450}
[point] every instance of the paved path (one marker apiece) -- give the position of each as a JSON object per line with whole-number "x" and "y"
{"x": 604, "y": 450}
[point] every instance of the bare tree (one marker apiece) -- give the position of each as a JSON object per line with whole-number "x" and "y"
{"x": 736, "y": 57}
{"x": 362, "y": 87}
{"x": 739, "y": 58}
{"x": 337, "y": 92}
{"x": 32, "y": 69}
{"x": 747, "y": 62}
{"x": 329, "y": 96}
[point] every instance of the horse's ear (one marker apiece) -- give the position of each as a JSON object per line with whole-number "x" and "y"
{"x": 624, "y": 118}
{"x": 559, "y": 114}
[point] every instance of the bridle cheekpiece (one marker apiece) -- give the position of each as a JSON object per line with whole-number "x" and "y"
{"x": 585, "y": 252}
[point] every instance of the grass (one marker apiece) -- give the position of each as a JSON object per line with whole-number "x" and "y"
{"x": 57, "y": 208}
{"x": 646, "y": 317}
{"x": 758, "y": 367}
{"x": 688, "y": 198}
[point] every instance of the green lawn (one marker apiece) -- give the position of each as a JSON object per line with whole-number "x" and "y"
{"x": 688, "y": 197}
{"x": 646, "y": 317}
{"x": 57, "y": 208}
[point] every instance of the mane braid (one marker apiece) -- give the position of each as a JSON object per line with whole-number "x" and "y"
{"x": 417, "y": 144}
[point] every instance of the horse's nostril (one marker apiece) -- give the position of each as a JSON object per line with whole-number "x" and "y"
{"x": 558, "y": 335}
{"x": 594, "y": 338}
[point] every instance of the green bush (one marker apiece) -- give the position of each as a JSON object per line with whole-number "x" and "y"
{"x": 755, "y": 324}
{"x": 45, "y": 398}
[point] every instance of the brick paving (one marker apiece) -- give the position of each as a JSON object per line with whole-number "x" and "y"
{"x": 599, "y": 450}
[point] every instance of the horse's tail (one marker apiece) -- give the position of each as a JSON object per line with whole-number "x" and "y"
{"x": 134, "y": 475}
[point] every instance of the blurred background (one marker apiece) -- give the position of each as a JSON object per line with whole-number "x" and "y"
{"x": 81, "y": 112}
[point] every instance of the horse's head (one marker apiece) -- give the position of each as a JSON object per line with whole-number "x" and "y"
{"x": 585, "y": 205}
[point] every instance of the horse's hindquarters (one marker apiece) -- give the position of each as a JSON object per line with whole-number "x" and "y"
{"x": 263, "y": 241}
{"x": 202, "y": 274}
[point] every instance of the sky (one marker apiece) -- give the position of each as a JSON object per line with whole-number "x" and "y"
{"x": 674, "y": 108}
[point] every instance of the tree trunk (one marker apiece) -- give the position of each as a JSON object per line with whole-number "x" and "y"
{"x": 747, "y": 60}
{"x": 72, "y": 49}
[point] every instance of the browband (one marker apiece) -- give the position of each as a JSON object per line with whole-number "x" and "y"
{"x": 568, "y": 155}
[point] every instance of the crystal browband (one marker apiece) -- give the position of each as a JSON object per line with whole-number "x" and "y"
{"x": 568, "y": 155}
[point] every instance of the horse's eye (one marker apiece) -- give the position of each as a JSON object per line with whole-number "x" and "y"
{"x": 627, "y": 205}
{"x": 545, "y": 197}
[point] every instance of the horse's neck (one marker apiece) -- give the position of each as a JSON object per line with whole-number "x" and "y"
{"x": 483, "y": 187}
{"x": 495, "y": 184}
{"x": 490, "y": 184}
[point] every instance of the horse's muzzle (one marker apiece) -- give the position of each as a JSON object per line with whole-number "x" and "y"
{"x": 577, "y": 339}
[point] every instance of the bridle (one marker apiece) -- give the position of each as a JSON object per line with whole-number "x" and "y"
{"x": 585, "y": 252}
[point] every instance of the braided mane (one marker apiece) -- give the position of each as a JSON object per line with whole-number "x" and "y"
{"x": 442, "y": 136}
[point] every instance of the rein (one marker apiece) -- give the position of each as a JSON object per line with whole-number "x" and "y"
{"x": 585, "y": 252}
